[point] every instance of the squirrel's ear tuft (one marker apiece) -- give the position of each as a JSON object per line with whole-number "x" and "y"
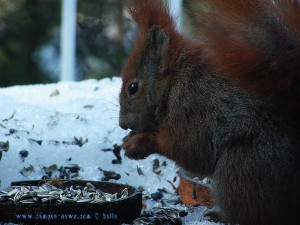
{"x": 158, "y": 39}
{"x": 148, "y": 13}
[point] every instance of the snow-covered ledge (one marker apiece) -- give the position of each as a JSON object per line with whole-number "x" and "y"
{"x": 46, "y": 120}
{"x": 71, "y": 123}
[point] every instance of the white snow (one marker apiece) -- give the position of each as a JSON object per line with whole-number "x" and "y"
{"x": 59, "y": 112}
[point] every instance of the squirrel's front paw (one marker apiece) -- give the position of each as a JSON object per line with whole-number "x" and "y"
{"x": 139, "y": 145}
{"x": 215, "y": 215}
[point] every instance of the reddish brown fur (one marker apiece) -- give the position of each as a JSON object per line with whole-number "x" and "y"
{"x": 146, "y": 15}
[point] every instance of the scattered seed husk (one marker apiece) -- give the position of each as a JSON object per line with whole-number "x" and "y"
{"x": 157, "y": 195}
{"x": 124, "y": 193}
{"x": 54, "y": 142}
{"x": 88, "y": 107}
{"x": 23, "y": 154}
{"x": 26, "y": 171}
{"x": 54, "y": 93}
{"x": 116, "y": 151}
{"x": 12, "y": 131}
{"x": 73, "y": 168}
{"x": 139, "y": 170}
{"x": 79, "y": 141}
{"x": 12, "y": 192}
{"x": 82, "y": 119}
{"x": 84, "y": 200}
{"x": 174, "y": 179}
{"x": 106, "y": 149}
{"x": 115, "y": 161}
{"x": 109, "y": 175}
{"x": 69, "y": 159}
{"x": 90, "y": 186}
{"x": 16, "y": 132}
{"x": 156, "y": 167}
{"x": 63, "y": 172}
{"x": 67, "y": 200}
{"x": 39, "y": 142}
{"x": 51, "y": 168}
{"x": 4, "y": 146}
{"x": 27, "y": 201}
{"x": 54, "y": 119}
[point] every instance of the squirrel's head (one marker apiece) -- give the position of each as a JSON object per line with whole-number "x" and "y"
{"x": 144, "y": 90}
{"x": 146, "y": 74}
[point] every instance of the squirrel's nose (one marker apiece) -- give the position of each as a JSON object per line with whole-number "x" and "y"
{"x": 122, "y": 124}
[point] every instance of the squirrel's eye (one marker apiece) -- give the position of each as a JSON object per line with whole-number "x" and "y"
{"x": 133, "y": 88}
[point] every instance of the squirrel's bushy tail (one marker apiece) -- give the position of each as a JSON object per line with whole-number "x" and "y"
{"x": 257, "y": 44}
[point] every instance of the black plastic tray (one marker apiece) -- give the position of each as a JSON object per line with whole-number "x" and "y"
{"x": 117, "y": 212}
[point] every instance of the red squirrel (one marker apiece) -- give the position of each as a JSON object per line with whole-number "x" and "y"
{"x": 224, "y": 105}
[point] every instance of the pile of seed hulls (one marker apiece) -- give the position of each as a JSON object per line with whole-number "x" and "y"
{"x": 47, "y": 193}
{"x": 161, "y": 215}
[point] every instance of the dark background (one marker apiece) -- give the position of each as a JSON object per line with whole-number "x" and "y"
{"x": 30, "y": 40}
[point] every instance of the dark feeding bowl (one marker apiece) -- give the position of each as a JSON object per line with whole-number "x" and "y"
{"x": 123, "y": 210}
{"x": 194, "y": 192}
